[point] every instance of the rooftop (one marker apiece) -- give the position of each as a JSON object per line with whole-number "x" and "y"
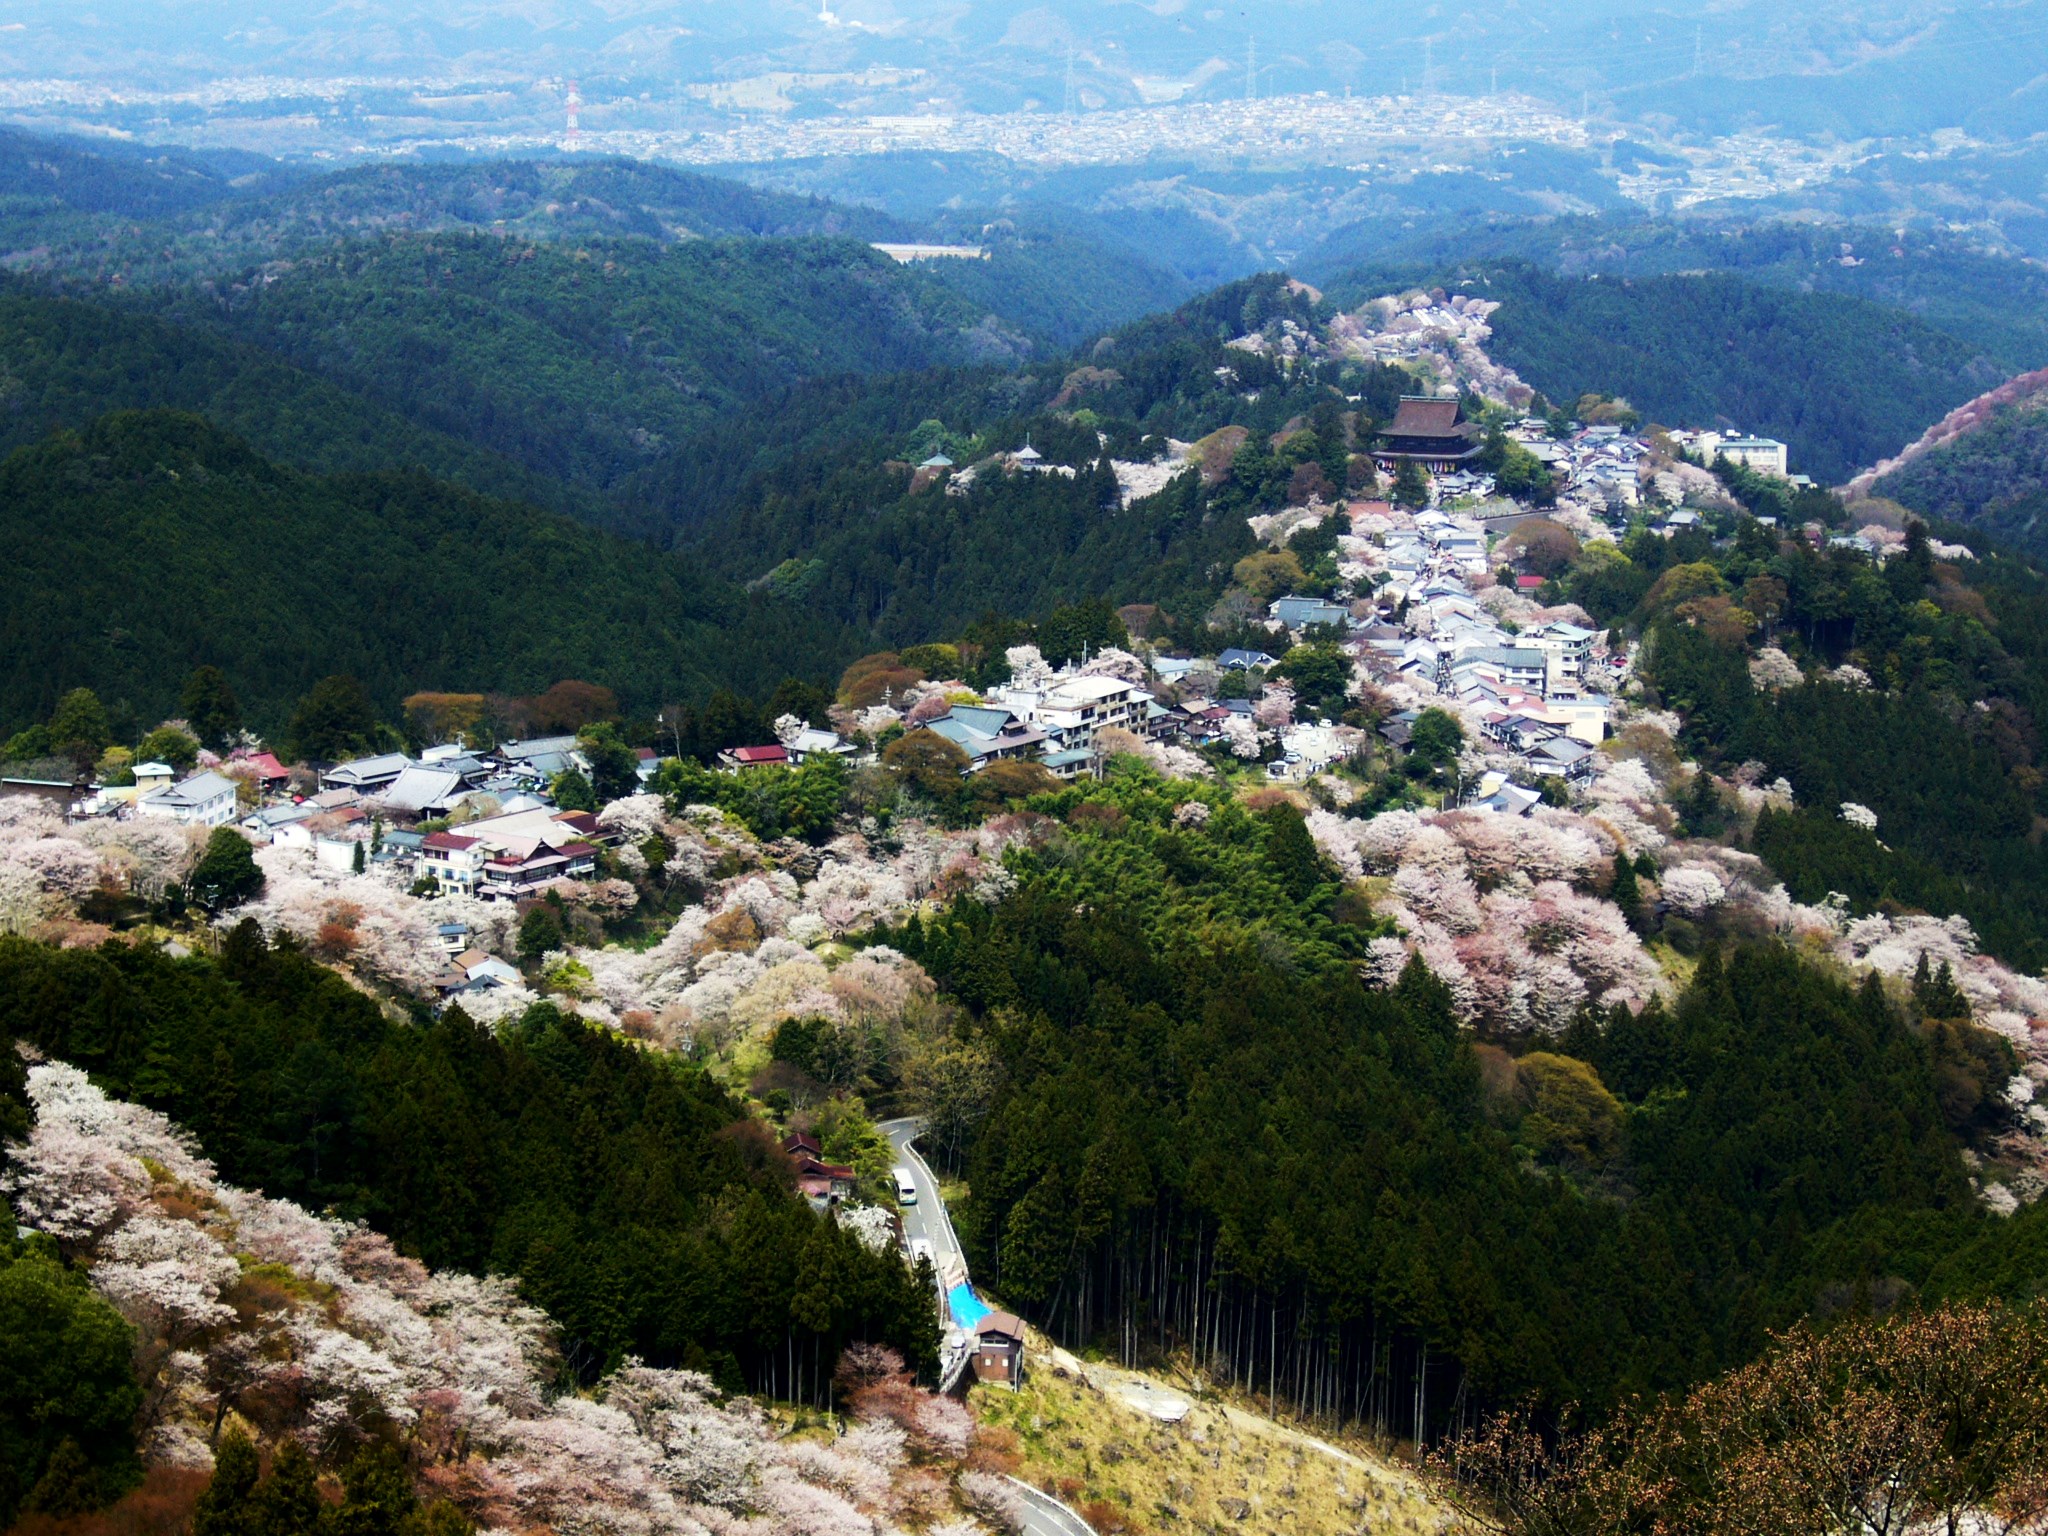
{"x": 1427, "y": 416}
{"x": 1082, "y": 689}
{"x": 197, "y": 790}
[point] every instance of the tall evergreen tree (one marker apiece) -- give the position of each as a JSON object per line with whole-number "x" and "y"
{"x": 209, "y": 704}
{"x": 225, "y": 1507}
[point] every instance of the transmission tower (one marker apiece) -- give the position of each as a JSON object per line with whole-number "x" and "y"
{"x": 575, "y": 105}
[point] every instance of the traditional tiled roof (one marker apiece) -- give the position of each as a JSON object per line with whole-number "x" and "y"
{"x": 1423, "y": 417}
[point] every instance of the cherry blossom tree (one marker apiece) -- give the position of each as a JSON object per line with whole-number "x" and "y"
{"x": 1275, "y": 709}
{"x": 1772, "y": 669}
{"x": 1693, "y": 889}
{"x": 1334, "y": 839}
{"x": 1028, "y": 666}
{"x": 1112, "y": 662}
{"x": 636, "y": 817}
{"x": 364, "y": 1342}
{"x": 1241, "y": 736}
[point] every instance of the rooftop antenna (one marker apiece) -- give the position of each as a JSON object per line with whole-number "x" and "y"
{"x": 575, "y": 104}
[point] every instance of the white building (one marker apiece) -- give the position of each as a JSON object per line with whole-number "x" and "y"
{"x": 1765, "y": 455}
{"x": 204, "y": 800}
{"x": 1505, "y": 666}
{"x": 1072, "y": 710}
{"x": 1567, "y": 649}
{"x": 455, "y": 861}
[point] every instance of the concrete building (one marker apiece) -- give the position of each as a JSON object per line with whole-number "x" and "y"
{"x": 1765, "y": 455}
{"x": 204, "y": 800}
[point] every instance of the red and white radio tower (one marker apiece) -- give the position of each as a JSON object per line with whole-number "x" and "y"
{"x": 575, "y": 124}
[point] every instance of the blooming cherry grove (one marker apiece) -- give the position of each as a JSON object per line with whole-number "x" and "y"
{"x": 309, "y": 1327}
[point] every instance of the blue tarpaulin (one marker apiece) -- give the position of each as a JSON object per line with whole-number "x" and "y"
{"x": 968, "y": 1308}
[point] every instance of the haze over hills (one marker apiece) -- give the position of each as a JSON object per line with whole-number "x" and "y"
{"x": 1908, "y": 65}
{"x": 1920, "y": 111}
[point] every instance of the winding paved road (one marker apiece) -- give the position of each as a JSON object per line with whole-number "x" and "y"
{"x": 927, "y": 1219}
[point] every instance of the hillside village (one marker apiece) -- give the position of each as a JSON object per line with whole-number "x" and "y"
{"x": 1409, "y": 658}
{"x": 1447, "y": 605}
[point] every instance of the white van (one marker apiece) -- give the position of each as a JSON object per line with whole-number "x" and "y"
{"x": 906, "y": 1191}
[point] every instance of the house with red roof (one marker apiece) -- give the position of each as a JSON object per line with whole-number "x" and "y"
{"x": 776, "y": 756}
{"x": 269, "y": 772}
{"x": 455, "y": 861}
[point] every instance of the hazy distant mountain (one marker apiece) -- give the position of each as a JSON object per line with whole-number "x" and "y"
{"x": 1895, "y": 66}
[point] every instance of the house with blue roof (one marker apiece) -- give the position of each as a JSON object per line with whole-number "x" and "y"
{"x": 1298, "y": 613}
{"x": 988, "y": 734}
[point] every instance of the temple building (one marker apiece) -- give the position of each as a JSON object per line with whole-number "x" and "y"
{"x": 1432, "y": 431}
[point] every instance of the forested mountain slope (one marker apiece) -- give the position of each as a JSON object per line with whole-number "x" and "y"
{"x": 86, "y": 220}
{"x": 586, "y": 362}
{"x": 1997, "y": 302}
{"x": 610, "y": 1180}
{"x": 1207, "y": 1122}
{"x": 1986, "y": 465}
{"x": 147, "y": 543}
{"x": 827, "y": 486}
{"x": 42, "y": 176}
{"x": 171, "y": 216}
{"x": 66, "y": 362}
